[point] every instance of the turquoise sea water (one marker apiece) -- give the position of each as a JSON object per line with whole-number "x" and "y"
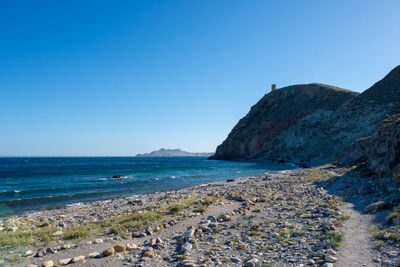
{"x": 35, "y": 183}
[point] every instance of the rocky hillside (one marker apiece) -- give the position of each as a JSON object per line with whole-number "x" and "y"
{"x": 381, "y": 151}
{"x": 320, "y": 128}
{"x": 275, "y": 113}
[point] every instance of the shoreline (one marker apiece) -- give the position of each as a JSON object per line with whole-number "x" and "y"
{"x": 99, "y": 185}
{"x": 69, "y": 206}
{"x": 286, "y": 218}
{"x": 87, "y": 205}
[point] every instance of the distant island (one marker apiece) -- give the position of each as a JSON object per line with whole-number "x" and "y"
{"x": 173, "y": 153}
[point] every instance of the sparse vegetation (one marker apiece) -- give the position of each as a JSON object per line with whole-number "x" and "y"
{"x": 334, "y": 238}
{"x": 255, "y": 233}
{"x": 344, "y": 217}
{"x": 43, "y": 235}
{"x": 175, "y": 209}
{"x": 392, "y": 216}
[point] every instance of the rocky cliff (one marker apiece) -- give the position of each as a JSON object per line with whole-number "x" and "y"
{"x": 275, "y": 113}
{"x": 381, "y": 151}
{"x": 316, "y": 123}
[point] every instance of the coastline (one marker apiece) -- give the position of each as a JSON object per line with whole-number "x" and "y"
{"x": 66, "y": 181}
{"x": 281, "y": 218}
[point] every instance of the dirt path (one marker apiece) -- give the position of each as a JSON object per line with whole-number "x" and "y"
{"x": 357, "y": 249}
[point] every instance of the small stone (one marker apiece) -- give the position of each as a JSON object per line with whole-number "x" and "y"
{"x": 186, "y": 247}
{"x": 40, "y": 253}
{"x": 235, "y": 260}
{"x": 311, "y": 262}
{"x": 331, "y": 252}
{"x": 50, "y": 251}
{"x": 30, "y": 265}
{"x": 94, "y": 255}
{"x": 131, "y": 246}
{"x": 274, "y": 235}
{"x": 327, "y": 264}
{"x": 57, "y": 233}
{"x": 329, "y": 258}
{"x": 226, "y": 218}
{"x": 108, "y": 252}
{"x": 64, "y": 261}
{"x": 120, "y": 248}
{"x": 48, "y": 264}
{"x": 159, "y": 246}
{"x": 211, "y": 218}
{"x": 78, "y": 259}
{"x": 148, "y": 253}
{"x": 252, "y": 262}
{"x": 28, "y": 253}
{"x": 98, "y": 241}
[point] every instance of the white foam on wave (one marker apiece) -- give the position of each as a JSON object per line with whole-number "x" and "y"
{"x": 172, "y": 177}
{"x": 17, "y": 191}
{"x": 76, "y": 205}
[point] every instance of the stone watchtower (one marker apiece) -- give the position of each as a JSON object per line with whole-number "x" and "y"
{"x": 273, "y": 87}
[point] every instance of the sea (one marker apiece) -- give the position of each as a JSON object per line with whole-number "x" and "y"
{"x": 35, "y": 183}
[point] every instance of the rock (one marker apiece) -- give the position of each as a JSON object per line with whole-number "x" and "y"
{"x": 188, "y": 234}
{"x": 331, "y": 252}
{"x": 159, "y": 246}
{"x": 64, "y": 261}
{"x": 330, "y": 258}
{"x": 148, "y": 253}
{"x": 40, "y": 253}
{"x": 252, "y": 262}
{"x": 48, "y": 264}
{"x": 50, "y": 251}
{"x": 374, "y": 207}
{"x": 57, "y": 233}
{"x": 94, "y": 255}
{"x": 327, "y": 264}
{"x": 226, "y": 218}
{"x": 78, "y": 259}
{"x": 29, "y": 265}
{"x": 186, "y": 247}
{"x": 212, "y": 218}
{"x": 28, "y": 253}
{"x": 108, "y": 252}
{"x": 275, "y": 235}
{"x": 235, "y": 260}
{"x": 131, "y": 246}
{"x": 118, "y": 176}
{"x": 98, "y": 241}
{"x": 120, "y": 248}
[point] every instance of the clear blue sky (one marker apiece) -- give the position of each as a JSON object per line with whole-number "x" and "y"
{"x": 124, "y": 77}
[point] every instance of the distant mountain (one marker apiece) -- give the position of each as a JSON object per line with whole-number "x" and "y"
{"x": 173, "y": 153}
